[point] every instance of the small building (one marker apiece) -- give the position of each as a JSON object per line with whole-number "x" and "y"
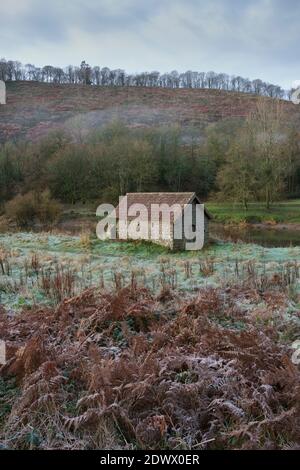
{"x": 163, "y": 222}
{"x": 2, "y": 92}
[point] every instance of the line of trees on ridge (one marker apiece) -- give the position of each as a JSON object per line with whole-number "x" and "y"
{"x": 12, "y": 70}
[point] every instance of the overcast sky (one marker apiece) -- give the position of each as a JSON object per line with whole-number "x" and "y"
{"x": 252, "y": 38}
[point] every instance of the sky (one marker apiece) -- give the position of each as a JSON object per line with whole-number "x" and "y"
{"x": 251, "y": 38}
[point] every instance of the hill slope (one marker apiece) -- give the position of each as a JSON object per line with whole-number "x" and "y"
{"x": 34, "y": 108}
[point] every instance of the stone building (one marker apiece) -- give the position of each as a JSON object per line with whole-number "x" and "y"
{"x": 162, "y": 223}
{"x": 2, "y": 92}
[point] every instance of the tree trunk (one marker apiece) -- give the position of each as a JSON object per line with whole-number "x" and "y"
{"x": 268, "y": 198}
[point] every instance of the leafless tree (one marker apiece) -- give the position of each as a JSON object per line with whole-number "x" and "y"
{"x": 85, "y": 74}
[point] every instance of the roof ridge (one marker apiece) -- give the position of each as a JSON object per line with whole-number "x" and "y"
{"x": 164, "y": 192}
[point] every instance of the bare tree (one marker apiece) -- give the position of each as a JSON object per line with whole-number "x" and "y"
{"x": 87, "y": 75}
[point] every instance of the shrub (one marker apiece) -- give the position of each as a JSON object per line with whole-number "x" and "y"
{"x": 26, "y": 209}
{"x": 22, "y": 210}
{"x": 253, "y": 219}
{"x": 48, "y": 210}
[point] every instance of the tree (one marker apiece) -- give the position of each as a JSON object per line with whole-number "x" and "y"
{"x": 293, "y": 161}
{"x": 258, "y": 161}
{"x": 237, "y": 178}
{"x": 10, "y": 173}
{"x": 69, "y": 171}
{"x": 85, "y": 73}
{"x": 266, "y": 122}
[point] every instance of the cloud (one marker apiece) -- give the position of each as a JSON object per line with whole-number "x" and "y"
{"x": 254, "y": 38}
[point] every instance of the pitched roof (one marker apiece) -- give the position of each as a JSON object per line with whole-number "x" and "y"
{"x": 159, "y": 198}
{"x": 147, "y": 199}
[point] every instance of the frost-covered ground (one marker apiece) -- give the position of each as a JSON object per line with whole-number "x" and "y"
{"x": 41, "y": 268}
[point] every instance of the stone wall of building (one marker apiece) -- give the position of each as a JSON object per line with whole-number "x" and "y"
{"x": 164, "y": 237}
{"x": 163, "y": 229}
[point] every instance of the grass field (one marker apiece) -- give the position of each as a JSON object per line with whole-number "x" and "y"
{"x": 281, "y": 212}
{"x": 285, "y": 212}
{"x": 45, "y": 268}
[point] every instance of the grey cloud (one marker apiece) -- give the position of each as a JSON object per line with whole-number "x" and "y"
{"x": 254, "y": 38}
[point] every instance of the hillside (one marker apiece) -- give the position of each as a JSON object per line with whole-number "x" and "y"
{"x": 34, "y": 108}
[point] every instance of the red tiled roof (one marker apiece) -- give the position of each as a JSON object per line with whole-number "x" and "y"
{"x": 147, "y": 199}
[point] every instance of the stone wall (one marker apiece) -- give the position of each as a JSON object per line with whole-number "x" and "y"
{"x": 164, "y": 238}
{"x": 166, "y": 234}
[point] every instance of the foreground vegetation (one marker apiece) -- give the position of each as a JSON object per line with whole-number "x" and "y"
{"x": 126, "y": 346}
{"x": 123, "y": 370}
